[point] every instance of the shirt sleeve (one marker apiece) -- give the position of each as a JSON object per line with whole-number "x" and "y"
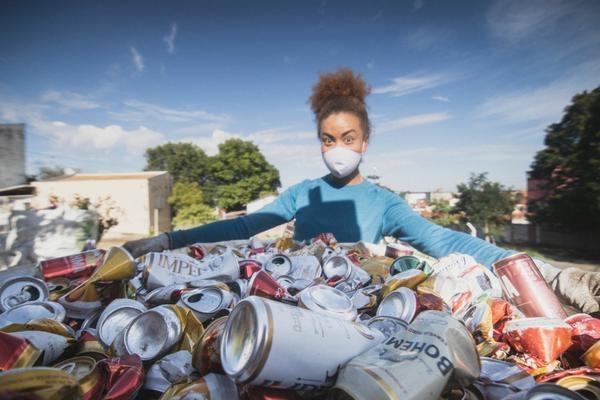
{"x": 278, "y": 212}
{"x": 403, "y": 223}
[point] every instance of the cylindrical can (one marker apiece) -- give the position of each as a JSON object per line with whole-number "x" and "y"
{"x": 206, "y": 302}
{"x": 207, "y": 353}
{"x": 394, "y": 250}
{"x": 404, "y": 263}
{"x": 40, "y": 383}
{"x": 73, "y": 266}
{"x": 525, "y": 287}
{"x": 264, "y": 285}
{"x": 329, "y": 301}
{"x": 414, "y": 364}
{"x": 163, "y": 269}
{"x": 35, "y": 310}
{"x": 545, "y": 391}
{"x": 87, "y": 373}
{"x": 116, "y": 317}
{"x": 306, "y": 268}
{"x": 267, "y": 343}
{"x": 389, "y": 326}
{"x": 409, "y": 278}
{"x": 16, "y": 352}
{"x": 21, "y": 289}
{"x": 587, "y": 386}
{"x": 249, "y": 267}
{"x": 401, "y": 303}
{"x": 211, "y": 386}
{"x": 544, "y": 339}
{"x": 278, "y": 265}
{"x": 57, "y": 287}
{"x": 165, "y": 295}
{"x": 152, "y": 333}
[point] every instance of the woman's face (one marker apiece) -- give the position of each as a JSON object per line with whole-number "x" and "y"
{"x": 342, "y": 129}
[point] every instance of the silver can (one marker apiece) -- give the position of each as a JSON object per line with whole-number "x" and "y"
{"x": 163, "y": 269}
{"x": 21, "y": 289}
{"x": 329, "y": 301}
{"x": 29, "y": 311}
{"x": 267, "y": 343}
{"x": 278, "y": 265}
{"x": 152, "y": 333}
{"x": 435, "y": 348}
{"x": 305, "y": 268}
{"x": 206, "y": 302}
{"x": 116, "y": 317}
{"x": 349, "y": 276}
{"x": 401, "y": 303}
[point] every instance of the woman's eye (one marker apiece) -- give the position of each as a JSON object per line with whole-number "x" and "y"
{"x": 348, "y": 140}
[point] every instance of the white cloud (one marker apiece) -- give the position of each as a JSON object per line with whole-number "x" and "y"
{"x": 138, "y": 111}
{"x": 280, "y": 134}
{"x": 69, "y": 100}
{"x": 542, "y": 103}
{"x": 414, "y": 120}
{"x": 441, "y": 98}
{"x": 90, "y": 137}
{"x": 418, "y": 4}
{"x": 169, "y": 39}
{"x": 137, "y": 59}
{"x": 407, "y": 84}
{"x": 514, "y": 20}
{"x": 210, "y": 144}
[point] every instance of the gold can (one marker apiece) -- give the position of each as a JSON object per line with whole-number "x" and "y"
{"x": 88, "y": 374}
{"x": 409, "y": 278}
{"x": 44, "y": 383}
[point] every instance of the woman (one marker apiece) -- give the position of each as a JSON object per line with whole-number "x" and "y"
{"x": 352, "y": 208}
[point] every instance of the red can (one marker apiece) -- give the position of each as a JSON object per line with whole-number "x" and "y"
{"x": 73, "y": 266}
{"x": 249, "y": 267}
{"x": 262, "y": 284}
{"x": 525, "y": 287}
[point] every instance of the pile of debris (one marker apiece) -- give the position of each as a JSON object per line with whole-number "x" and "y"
{"x": 289, "y": 320}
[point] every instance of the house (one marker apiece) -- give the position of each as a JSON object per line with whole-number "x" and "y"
{"x": 139, "y": 199}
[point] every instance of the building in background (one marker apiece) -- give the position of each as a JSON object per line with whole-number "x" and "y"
{"x": 139, "y": 198}
{"x": 12, "y": 155}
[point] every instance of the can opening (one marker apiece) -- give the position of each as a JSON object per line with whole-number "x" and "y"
{"x": 240, "y": 339}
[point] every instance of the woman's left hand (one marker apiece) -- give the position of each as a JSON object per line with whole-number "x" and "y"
{"x": 574, "y": 286}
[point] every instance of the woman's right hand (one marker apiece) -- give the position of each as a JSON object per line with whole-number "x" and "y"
{"x": 142, "y": 246}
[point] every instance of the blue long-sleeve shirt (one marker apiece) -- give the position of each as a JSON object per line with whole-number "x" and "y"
{"x": 362, "y": 211}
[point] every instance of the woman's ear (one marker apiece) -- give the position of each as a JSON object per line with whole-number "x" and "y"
{"x": 365, "y": 145}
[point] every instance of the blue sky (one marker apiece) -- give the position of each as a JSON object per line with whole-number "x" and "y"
{"x": 458, "y": 87}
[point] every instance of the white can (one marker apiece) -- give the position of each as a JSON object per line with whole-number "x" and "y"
{"x": 267, "y": 343}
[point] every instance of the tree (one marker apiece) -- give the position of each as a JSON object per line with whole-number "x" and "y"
{"x": 186, "y": 162}
{"x": 484, "y": 203}
{"x": 48, "y": 172}
{"x": 241, "y": 174}
{"x": 238, "y": 174}
{"x": 442, "y": 213}
{"x": 570, "y": 167}
{"x": 187, "y": 202}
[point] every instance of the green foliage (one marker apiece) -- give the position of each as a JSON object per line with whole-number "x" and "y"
{"x": 49, "y": 172}
{"x": 442, "y": 213}
{"x": 570, "y": 165}
{"x": 186, "y": 162}
{"x": 241, "y": 174}
{"x": 238, "y": 174}
{"x": 483, "y": 203}
{"x": 188, "y": 205}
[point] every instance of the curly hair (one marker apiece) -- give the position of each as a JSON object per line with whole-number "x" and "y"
{"x": 341, "y": 91}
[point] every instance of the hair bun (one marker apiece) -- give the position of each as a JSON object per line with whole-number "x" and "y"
{"x": 341, "y": 83}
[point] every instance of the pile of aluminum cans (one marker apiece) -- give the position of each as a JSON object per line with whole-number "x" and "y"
{"x": 289, "y": 320}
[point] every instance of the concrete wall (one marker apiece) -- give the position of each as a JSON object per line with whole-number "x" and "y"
{"x": 12, "y": 154}
{"x": 535, "y": 235}
{"x": 133, "y": 197}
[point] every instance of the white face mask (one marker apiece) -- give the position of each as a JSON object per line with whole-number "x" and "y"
{"x": 341, "y": 161}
